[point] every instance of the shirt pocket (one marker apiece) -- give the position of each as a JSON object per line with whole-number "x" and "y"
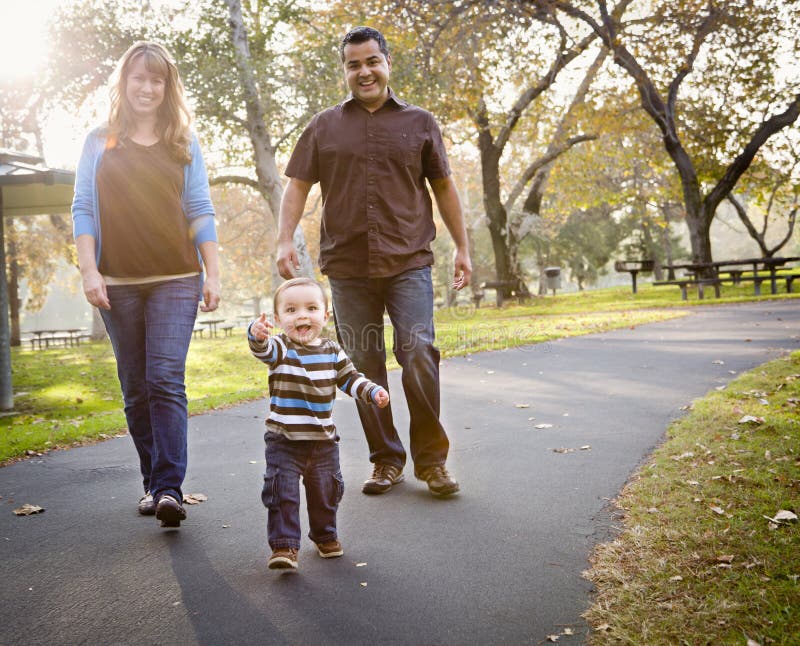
{"x": 404, "y": 148}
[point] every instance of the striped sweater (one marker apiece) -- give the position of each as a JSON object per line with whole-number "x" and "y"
{"x": 302, "y": 385}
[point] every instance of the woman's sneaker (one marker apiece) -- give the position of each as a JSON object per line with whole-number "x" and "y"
{"x": 329, "y": 550}
{"x": 147, "y": 506}
{"x": 169, "y": 511}
{"x": 284, "y": 558}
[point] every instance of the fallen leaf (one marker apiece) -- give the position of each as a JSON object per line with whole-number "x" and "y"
{"x": 586, "y": 447}
{"x": 751, "y": 418}
{"x": 194, "y": 498}
{"x": 543, "y": 426}
{"x": 360, "y": 564}
{"x": 603, "y": 627}
{"x": 253, "y": 461}
{"x": 724, "y": 558}
{"x": 752, "y": 642}
{"x": 552, "y": 638}
{"x": 363, "y": 584}
{"x": 563, "y": 450}
{"x": 27, "y": 509}
{"x": 677, "y": 577}
{"x": 784, "y": 514}
{"x": 522, "y": 405}
{"x": 718, "y": 362}
{"x": 567, "y": 631}
{"x": 718, "y": 510}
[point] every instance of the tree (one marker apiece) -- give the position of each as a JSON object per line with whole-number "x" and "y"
{"x": 587, "y": 241}
{"x": 727, "y": 48}
{"x": 474, "y": 61}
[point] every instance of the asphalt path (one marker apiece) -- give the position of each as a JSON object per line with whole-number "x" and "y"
{"x": 500, "y": 563}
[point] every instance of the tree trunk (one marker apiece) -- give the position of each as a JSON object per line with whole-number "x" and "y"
{"x": 269, "y": 179}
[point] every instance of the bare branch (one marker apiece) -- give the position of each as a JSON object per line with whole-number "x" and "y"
{"x": 234, "y": 179}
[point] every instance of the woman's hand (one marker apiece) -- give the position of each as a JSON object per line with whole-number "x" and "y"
{"x": 211, "y": 294}
{"x": 94, "y": 288}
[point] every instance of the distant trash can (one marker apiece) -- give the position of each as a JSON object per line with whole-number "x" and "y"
{"x": 553, "y": 277}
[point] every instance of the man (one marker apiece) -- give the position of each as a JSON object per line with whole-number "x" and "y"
{"x": 372, "y": 154}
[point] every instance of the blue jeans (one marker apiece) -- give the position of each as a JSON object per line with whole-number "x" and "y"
{"x": 317, "y": 461}
{"x": 150, "y": 327}
{"x": 358, "y": 308}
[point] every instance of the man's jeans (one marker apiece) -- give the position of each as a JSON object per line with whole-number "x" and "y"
{"x": 358, "y": 307}
{"x": 317, "y": 461}
{"x": 150, "y": 327}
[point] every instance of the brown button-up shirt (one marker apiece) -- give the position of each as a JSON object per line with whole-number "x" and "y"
{"x": 377, "y": 216}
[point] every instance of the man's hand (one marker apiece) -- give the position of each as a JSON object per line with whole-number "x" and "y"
{"x": 260, "y": 328}
{"x": 288, "y": 262}
{"x": 463, "y": 270}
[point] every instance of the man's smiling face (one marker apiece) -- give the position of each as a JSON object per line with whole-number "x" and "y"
{"x": 367, "y": 70}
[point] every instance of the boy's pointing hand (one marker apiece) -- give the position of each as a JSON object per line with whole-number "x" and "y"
{"x": 260, "y": 327}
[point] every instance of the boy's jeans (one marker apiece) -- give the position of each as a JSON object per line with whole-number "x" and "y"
{"x": 150, "y": 327}
{"x": 317, "y": 461}
{"x": 358, "y": 308}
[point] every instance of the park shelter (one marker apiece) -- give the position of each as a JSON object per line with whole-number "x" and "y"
{"x": 27, "y": 187}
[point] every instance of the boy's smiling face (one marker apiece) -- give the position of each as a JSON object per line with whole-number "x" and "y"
{"x": 301, "y": 313}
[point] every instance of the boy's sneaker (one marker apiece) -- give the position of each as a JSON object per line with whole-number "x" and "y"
{"x": 329, "y": 550}
{"x": 169, "y": 511}
{"x": 284, "y": 558}
{"x": 147, "y": 506}
{"x": 440, "y": 482}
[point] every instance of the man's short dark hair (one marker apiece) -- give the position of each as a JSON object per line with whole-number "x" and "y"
{"x": 359, "y": 35}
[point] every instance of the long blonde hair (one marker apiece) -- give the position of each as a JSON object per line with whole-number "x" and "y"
{"x": 174, "y": 116}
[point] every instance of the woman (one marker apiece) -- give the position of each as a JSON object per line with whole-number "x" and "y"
{"x": 142, "y": 221}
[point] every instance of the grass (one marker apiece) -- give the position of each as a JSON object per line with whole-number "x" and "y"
{"x": 697, "y": 561}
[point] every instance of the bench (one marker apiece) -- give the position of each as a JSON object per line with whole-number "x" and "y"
{"x": 499, "y": 286}
{"x": 756, "y": 280}
{"x": 227, "y": 328}
{"x": 700, "y": 283}
{"x": 789, "y": 280}
{"x": 736, "y": 278}
{"x": 198, "y": 329}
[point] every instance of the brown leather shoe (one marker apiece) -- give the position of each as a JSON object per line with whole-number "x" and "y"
{"x": 384, "y": 476}
{"x": 330, "y": 550}
{"x": 283, "y": 558}
{"x": 440, "y": 482}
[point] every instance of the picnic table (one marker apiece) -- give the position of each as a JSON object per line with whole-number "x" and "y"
{"x": 42, "y": 339}
{"x": 736, "y": 271}
{"x": 212, "y": 324}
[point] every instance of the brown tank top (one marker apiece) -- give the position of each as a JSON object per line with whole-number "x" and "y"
{"x": 144, "y": 231}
